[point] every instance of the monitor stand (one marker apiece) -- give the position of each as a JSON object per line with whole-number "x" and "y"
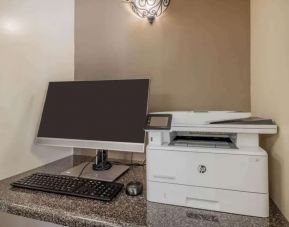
{"x": 101, "y": 169}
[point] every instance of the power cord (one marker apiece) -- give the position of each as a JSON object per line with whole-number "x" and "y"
{"x": 144, "y": 164}
{"x": 128, "y": 164}
{"x": 84, "y": 167}
{"x": 131, "y": 166}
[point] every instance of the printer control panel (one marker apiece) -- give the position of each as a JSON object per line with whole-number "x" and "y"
{"x": 158, "y": 122}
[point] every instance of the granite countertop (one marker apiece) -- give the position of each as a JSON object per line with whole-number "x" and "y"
{"x": 123, "y": 211}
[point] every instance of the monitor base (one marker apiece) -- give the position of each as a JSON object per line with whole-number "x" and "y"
{"x": 102, "y": 166}
{"x": 102, "y": 163}
{"x": 108, "y": 175}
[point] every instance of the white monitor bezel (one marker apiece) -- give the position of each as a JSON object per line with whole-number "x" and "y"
{"x": 91, "y": 144}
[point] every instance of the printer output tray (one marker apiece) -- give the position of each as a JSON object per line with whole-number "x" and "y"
{"x": 203, "y": 141}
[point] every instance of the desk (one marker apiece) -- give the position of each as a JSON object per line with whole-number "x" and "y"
{"x": 123, "y": 211}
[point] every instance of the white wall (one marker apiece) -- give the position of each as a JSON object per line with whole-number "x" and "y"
{"x": 270, "y": 87}
{"x": 36, "y": 46}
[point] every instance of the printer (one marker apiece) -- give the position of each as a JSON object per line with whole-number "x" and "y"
{"x": 208, "y": 160}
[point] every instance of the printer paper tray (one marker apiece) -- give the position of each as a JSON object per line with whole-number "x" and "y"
{"x": 209, "y": 199}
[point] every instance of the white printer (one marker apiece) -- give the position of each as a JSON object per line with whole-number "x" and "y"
{"x": 208, "y": 160}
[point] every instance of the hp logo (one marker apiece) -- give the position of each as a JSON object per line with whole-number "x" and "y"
{"x": 202, "y": 169}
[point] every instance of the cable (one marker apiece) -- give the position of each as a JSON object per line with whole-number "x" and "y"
{"x": 131, "y": 158}
{"x": 131, "y": 166}
{"x": 128, "y": 164}
{"x": 144, "y": 164}
{"x": 84, "y": 167}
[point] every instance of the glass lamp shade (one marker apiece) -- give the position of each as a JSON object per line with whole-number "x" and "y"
{"x": 149, "y": 8}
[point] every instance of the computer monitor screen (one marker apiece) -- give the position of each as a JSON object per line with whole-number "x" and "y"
{"x": 95, "y": 114}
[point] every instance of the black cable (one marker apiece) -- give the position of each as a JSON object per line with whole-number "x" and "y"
{"x": 143, "y": 164}
{"x": 131, "y": 166}
{"x": 84, "y": 167}
{"x": 131, "y": 158}
{"x": 128, "y": 164}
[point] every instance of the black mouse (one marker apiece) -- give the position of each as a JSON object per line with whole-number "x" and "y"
{"x": 134, "y": 188}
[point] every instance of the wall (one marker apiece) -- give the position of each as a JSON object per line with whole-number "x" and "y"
{"x": 36, "y": 46}
{"x": 270, "y": 80}
{"x": 197, "y": 54}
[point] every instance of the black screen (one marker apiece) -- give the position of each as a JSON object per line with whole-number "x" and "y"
{"x": 96, "y": 110}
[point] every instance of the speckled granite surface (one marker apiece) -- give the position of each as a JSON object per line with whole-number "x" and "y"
{"x": 123, "y": 211}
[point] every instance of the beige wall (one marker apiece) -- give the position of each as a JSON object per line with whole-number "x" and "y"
{"x": 36, "y": 46}
{"x": 197, "y": 54}
{"x": 270, "y": 87}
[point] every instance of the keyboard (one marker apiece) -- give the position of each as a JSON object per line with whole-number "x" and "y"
{"x": 67, "y": 185}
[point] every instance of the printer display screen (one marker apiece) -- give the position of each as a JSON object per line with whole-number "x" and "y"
{"x": 159, "y": 121}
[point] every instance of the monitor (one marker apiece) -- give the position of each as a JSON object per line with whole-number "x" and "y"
{"x": 108, "y": 115}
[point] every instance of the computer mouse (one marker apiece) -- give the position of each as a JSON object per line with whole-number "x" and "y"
{"x": 134, "y": 188}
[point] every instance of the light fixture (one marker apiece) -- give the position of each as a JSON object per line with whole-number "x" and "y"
{"x": 149, "y": 9}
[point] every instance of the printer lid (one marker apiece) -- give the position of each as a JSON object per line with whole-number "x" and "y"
{"x": 220, "y": 121}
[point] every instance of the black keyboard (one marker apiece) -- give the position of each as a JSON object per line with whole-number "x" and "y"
{"x": 67, "y": 185}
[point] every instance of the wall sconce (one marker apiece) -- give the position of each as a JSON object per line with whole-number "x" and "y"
{"x": 149, "y": 9}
